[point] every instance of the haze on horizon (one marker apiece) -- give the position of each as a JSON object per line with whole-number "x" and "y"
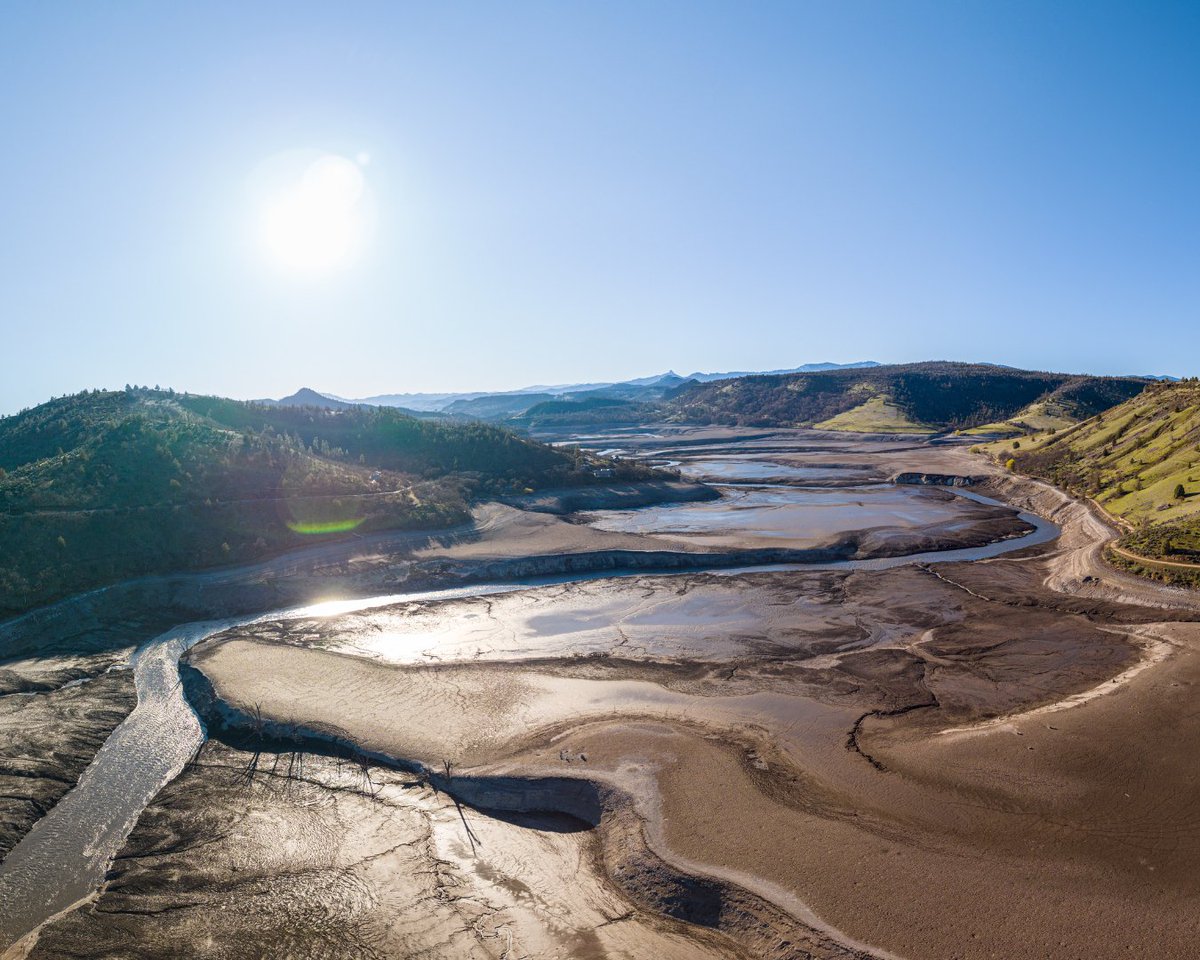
{"x": 396, "y": 197}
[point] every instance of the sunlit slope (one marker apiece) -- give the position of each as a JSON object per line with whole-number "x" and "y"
{"x": 105, "y": 485}
{"x": 1131, "y": 458}
{"x": 1140, "y": 460}
{"x": 1042, "y": 415}
{"x": 877, "y": 415}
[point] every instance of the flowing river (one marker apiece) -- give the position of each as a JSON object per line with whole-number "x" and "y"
{"x": 62, "y": 861}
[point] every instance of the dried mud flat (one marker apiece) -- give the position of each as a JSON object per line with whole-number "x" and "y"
{"x": 310, "y": 856}
{"x": 816, "y": 778}
{"x": 988, "y": 759}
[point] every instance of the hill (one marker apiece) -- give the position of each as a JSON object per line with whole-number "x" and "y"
{"x": 102, "y": 486}
{"x": 599, "y": 410}
{"x": 1139, "y": 460}
{"x": 909, "y": 398}
{"x": 1075, "y": 400}
{"x": 307, "y": 397}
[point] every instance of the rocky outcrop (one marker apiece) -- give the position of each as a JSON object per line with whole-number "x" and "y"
{"x": 617, "y": 496}
{"x": 936, "y": 479}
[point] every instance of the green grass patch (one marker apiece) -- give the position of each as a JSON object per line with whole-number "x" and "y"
{"x": 877, "y": 415}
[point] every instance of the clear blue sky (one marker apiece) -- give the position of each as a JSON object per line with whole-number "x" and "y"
{"x": 569, "y": 191}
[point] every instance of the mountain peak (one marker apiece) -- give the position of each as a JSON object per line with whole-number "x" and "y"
{"x": 307, "y": 397}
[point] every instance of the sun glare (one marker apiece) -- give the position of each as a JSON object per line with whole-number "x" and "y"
{"x": 315, "y": 221}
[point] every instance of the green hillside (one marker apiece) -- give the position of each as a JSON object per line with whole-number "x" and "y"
{"x": 921, "y": 397}
{"x": 102, "y": 486}
{"x": 1139, "y": 460}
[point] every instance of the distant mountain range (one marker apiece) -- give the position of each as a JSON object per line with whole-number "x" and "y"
{"x": 806, "y": 368}
{"x": 492, "y": 403}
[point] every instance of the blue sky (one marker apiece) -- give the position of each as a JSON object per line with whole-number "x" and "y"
{"x": 564, "y": 191}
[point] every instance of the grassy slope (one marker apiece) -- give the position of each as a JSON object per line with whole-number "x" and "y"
{"x": 1038, "y": 416}
{"x": 103, "y": 486}
{"x": 1130, "y": 459}
{"x": 877, "y": 415}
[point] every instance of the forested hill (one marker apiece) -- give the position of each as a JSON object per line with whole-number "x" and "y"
{"x": 916, "y": 397}
{"x": 101, "y": 486}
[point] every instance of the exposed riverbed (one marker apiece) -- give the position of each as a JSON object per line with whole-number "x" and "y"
{"x": 63, "y": 859}
{"x": 550, "y": 624}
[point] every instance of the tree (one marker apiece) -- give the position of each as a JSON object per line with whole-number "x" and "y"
{"x": 1180, "y": 493}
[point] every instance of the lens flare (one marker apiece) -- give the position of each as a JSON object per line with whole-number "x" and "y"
{"x": 315, "y": 222}
{"x": 315, "y": 527}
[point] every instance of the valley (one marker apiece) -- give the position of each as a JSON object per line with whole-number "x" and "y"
{"x": 719, "y": 712}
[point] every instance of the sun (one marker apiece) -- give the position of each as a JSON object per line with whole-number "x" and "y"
{"x": 314, "y": 221}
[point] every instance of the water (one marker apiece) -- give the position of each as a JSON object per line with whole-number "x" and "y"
{"x": 801, "y": 516}
{"x": 753, "y": 469}
{"x": 62, "y": 861}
